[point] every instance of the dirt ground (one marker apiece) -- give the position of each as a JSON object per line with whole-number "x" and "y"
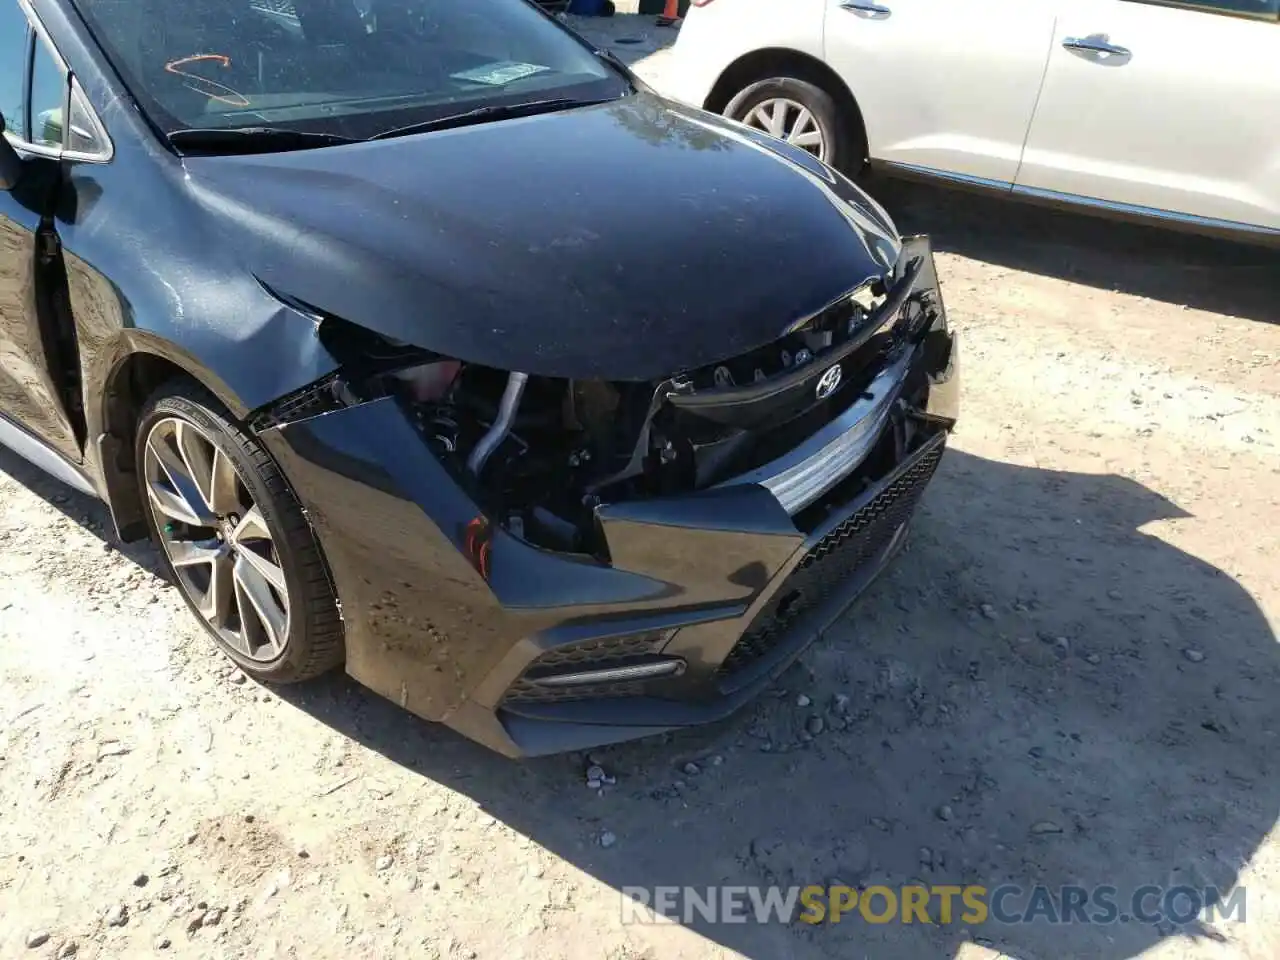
{"x": 1069, "y": 677}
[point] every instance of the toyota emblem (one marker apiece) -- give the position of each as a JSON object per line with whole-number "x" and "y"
{"x": 828, "y": 382}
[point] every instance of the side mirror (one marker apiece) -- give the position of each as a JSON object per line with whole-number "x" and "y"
{"x": 10, "y": 163}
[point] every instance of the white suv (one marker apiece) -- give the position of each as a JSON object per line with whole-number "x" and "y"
{"x": 1161, "y": 109}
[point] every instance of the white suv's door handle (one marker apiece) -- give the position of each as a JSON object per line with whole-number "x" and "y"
{"x": 1096, "y": 43}
{"x": 866, "y": 8}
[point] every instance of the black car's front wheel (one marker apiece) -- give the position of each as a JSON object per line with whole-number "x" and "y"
{"x": 235, "y": 539}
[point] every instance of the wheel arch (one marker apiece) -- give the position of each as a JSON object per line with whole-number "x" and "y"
{"x": 143, "y": 363}
{"x": 786, "y": 62}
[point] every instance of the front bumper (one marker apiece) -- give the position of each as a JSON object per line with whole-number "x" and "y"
{"x": 707, "y": 596}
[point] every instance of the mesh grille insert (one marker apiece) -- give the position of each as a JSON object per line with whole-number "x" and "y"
{"x": 837, "y": 557}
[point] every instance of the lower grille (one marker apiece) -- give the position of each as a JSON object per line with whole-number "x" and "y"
{"x": 598, "y": 652}
{"x": 837, "y": 557}
{"x": 524, "y": 691}
{"x": 587, "y": 655}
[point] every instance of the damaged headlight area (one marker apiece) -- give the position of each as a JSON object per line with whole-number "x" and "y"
{"x": 539, "y": 454}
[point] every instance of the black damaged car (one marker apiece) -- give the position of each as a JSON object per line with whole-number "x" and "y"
{"x": 425, "y": 340}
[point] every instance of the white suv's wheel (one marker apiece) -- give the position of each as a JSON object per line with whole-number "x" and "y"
{"x": 796, "y": 111}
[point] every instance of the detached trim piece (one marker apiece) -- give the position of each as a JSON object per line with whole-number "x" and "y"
{"x": 325, "y": 395}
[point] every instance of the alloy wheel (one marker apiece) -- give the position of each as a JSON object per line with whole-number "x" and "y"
{"x": 790, "y": 121}
{"x": 216, "y": 539}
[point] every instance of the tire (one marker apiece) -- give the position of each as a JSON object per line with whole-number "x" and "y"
{"x": 841, "y": 148}
{"x": 311, "y": 641}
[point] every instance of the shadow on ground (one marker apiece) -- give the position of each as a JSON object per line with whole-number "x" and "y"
{"x": 88, "y": 512}
{"x": 1065, "y": 730}
{"x": 1146, "y": 261}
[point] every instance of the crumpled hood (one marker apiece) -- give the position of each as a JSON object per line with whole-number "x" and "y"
{"x": 629, "y": 240}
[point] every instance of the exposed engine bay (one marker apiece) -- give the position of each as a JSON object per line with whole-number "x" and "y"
{"x": 540, "y": 453}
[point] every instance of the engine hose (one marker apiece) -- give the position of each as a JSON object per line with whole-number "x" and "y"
{"x": 501, "y": 424}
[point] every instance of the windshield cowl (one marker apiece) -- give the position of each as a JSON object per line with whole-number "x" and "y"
{"x": 249, "y": 140}
{"x": 485, "y": 114}
{"x": 245, "y": 140}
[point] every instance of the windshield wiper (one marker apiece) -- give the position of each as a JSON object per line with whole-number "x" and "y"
{"x": 492, "y": 111}
{"x": 252, "y": 139}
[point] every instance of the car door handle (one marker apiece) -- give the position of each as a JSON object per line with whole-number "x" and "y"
{"x": 866, "y": 8}
{"x": 1096, "y": 43}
